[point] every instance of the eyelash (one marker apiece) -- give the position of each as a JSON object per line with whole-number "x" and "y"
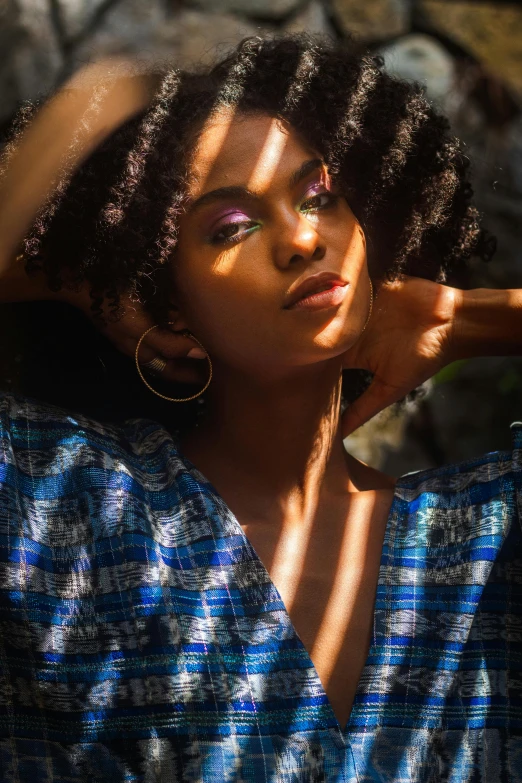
{"x": 215, "y": 239}
{"x": 332, "y": 199}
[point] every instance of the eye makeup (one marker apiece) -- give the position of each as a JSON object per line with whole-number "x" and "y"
{"x": 229, "y": 224}
{"x": 227, "y": 218}
{"x": 315, "y": 191}
{"x": 222, "y": 224}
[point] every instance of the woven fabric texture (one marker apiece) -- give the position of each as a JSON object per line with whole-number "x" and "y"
{"x": 143, "y": 641}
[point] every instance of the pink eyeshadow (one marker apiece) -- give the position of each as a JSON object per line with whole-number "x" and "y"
{"x": 224, "y": 218}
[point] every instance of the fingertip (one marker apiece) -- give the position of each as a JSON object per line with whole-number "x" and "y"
{"x": 172, "y": 345}
{"x": 197, "y": 353}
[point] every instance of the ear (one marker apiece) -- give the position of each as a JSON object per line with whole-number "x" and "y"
{"x": 177, "y": 321}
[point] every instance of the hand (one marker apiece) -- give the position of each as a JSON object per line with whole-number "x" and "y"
{"x": 408, "y": 339}
{"x": 172, "y": 346}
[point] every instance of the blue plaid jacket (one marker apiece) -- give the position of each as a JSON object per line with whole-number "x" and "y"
{"x": 143, "y": 640}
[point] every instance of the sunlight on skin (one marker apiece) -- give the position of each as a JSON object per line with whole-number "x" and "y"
{"x": 68, "y": 130}
{"x": 262, "y": 173}
{"x": 339, "y": 611}
{"x": 219, "y": 123}
{"x": 261, "y": 150}
{"x": 260, "y": 180}
{"x": 358, "y": 279}
{"x": 289, "y": 560}
{"x": 291, "y": 551}
{"x": 269, "y": 158}
{"x": 295, "y": 537}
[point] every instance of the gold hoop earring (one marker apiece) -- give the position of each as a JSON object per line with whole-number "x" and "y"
{"x": 147, "y": 384}
{"x": 371, "y": 306}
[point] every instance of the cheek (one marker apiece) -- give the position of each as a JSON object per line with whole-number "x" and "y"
{"x": 223, "y": 307}
{"x": 347, "y": 234}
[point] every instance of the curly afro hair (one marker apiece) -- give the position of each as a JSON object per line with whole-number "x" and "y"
{"x": 114, "y": 223}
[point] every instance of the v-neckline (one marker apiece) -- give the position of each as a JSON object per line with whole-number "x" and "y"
{"x": 342, "y": 733}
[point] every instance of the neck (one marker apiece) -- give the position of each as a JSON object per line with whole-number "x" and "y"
{"x": 276, "y": 447}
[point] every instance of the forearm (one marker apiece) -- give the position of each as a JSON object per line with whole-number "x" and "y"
{"x": 17, "y": 286}
{"x": 488, "y": 322}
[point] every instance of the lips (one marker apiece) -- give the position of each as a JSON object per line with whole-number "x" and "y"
{"x": 312, "y": 285}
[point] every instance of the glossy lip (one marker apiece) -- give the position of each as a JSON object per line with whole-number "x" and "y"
{"x": 311, "y": 285}
{"x": 324, "y": 300}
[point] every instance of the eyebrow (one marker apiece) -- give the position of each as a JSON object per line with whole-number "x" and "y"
{"x": 237, "y": 191}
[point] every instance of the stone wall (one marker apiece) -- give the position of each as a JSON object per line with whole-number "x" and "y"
{"x": 468, "y": 53}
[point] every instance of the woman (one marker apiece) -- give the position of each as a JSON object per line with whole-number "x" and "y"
{"x": 233, "y": 596}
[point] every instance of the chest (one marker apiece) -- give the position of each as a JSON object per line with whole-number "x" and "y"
{"x": 327, "y": 578}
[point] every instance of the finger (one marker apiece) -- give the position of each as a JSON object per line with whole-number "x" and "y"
{"x": 173, "y": 345}
{"x": 179, "y": 367}
{"x": 376, "y": 398}
{"x": 162, "y": 342}
{"x": 178, "y": 371}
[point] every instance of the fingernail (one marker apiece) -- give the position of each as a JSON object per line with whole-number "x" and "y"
{"x": 196, "y": 353}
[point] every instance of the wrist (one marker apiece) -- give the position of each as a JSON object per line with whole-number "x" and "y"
{"x": 17, "y": 286}
{"x": 487, "y": 322}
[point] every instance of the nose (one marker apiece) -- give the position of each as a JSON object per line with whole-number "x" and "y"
{"x": 297, "y": 241}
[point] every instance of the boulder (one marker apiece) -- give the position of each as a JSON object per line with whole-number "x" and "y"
{"x": 129, "y": 27}
{"x": 311, "y": 19}
{"x": 489, "y": 31}
{"x": 187, "y": 38}
{"x": 31, "y": 53}
{"x": 193, "y": 37}
{"x": 77, "y": 14}
{"x": 423, "y": 59}
{"x": 373, "y": 20}
{"x": 269, "y": 9}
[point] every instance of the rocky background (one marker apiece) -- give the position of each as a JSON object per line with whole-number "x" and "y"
{"x": 468, "y": 53}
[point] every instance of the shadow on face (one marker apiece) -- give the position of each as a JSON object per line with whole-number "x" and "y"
{"x": 262, "y": 216}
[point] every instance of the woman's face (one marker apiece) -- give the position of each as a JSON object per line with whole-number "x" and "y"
{"x": 263, "y": 216}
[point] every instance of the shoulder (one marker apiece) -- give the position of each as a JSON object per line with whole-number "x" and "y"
{"x": 67, "y": 477}
{"x": 472, "y": 479}
{"x": 31, "y": 426}
{"x": 17, "y": 411}
{"x": 364, "y": 477}
{"x": 470, "y": 506}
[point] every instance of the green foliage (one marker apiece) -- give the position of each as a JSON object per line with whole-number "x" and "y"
{"x": 510, "y": 380}
{"x": 449, "y": 373}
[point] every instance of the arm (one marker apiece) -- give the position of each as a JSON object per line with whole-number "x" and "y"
{"x": 17, "y": 286}
{"x": 67, "y": 131}
{"x": 488, "y": 322}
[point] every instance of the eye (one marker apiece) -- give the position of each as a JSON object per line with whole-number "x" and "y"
{"x": 319, "y": 201}
{"x": 232, "y": 232}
